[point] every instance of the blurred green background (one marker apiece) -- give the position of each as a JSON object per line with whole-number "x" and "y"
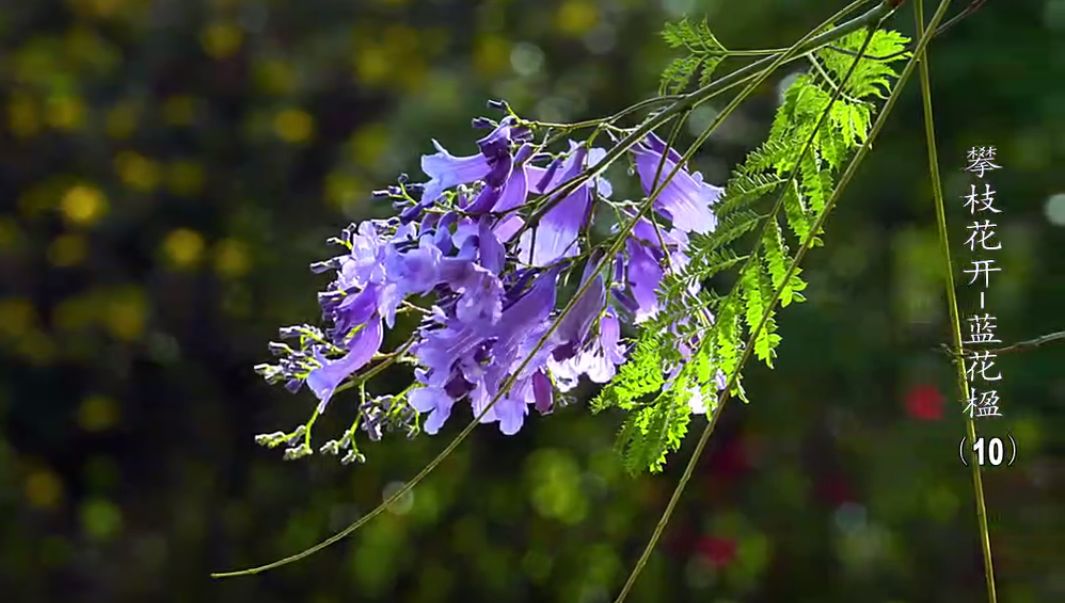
{"x": 169, "y": 168}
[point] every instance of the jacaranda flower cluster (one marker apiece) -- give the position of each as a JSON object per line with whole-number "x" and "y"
{"x": 481, "y": 253}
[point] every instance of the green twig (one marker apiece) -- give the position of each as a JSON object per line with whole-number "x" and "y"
{"x": 952, "y": 303}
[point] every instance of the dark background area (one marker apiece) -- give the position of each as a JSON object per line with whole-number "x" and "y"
{"x": 169, "y": 168}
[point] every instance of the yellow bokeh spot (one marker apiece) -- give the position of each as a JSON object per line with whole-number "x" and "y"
{"x": 183, "y": 247}
{"x": 179, "y": 110}
{"x": 22, "y": 117}
{"x": 576, "y": 17}
{"x": 124, "y": 313}
{"x": 293, "y": 125}
{"x": 184, "y": 177}
{"x": 10, "y": 235}
{"x": 17, "y": 317}
{"x": 491, "y": 55}
{"x": 65, "y": 113}
{"x": 97, "y": 413}
{"x": 36, "y": 347}
{"x": 372, "y": 65}
{"x": 67, "y": 250}
{"x": 121, "y": 120}
{"x": 137, "y": 171}
{"x": 369, "y": 143}
{"x": 231, "y": 258}
{"x": 83, "y": 204}
{"x": 101, "y": 519}
{"x": 343, "y": 190}
{"x": 275, "y": 76}
{"x": 44, "y": 490}
{"x": 221, "y": 40}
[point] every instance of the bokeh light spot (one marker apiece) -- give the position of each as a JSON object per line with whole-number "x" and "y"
{"x": 97, "y": 413}
{"x": 137, "y": 171}
{"x": 180, "y": 110}
{"x": 231, "y": 258}
{"x": 22, "y": 116}
{"x": 83, "y": 204}
{"x": 294, "y": 126}
{"x": 101, "y": 519}
{"x": 44, "y": 490}
{"x": 183, "y": 247}
{"x": 221, "y": 40}
{"x": 403, "y": 505}
{"x": 526, "y": 59}
{"x": 1055, "y": 209}
{"x": 184, "y": 177}
{"x": 490, "y": 55}
{"x": 576, "y": 17}
{"x": 65, "y": 113}
{"x": 16, "y": 317}
{"x": 67, "y": 250}
{"x": 124, "y": 313}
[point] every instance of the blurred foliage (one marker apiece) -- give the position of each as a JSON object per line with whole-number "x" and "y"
{"x": 170, "y": 167}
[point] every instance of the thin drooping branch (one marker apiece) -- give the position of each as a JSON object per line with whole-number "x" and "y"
{"x": 952, "y": 301}
{"x": 1020, "y": 346}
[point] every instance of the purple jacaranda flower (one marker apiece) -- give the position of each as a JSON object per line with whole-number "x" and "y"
{"x": 493, "y": 165}
{"x": 480, "y": 357}
{"x": 480, "y": 301}
{"x": 445, "y": 171}
{"x": 555, "y": 236}
{"x": 573, "y": 329}
{"x": 361, "y": 348}
{"x": 543, "y": 394}
{"x": 597, "y": 358}
{"x": 644, "y": 274}
{"x": 675, "y": 240}
{"x": 351, "y": 310}
{"x": 506, "y": 228}
{"x": 686, "y": 200}
{"x": 515, "y": 190}
{"x": 436, "y": 402}
{"x": 414, "y": 271}
{"x": 364, "y": 262}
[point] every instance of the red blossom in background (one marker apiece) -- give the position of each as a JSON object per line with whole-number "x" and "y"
{"x": 924, "y": 403}
{"x": 717, "y": 550}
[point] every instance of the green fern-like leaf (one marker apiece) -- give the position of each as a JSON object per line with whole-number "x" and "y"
{"x": 872, "y": 76}
{"x": 704, "y": 54}
{"x": 640, "y": 376}
{"x": 811, "y": 138}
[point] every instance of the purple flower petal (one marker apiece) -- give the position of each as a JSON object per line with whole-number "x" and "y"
{"x": 542, "y": 392}
{"x": 446, "y": 170}
{"x": 493, "y": 255}
{"x": 436, "y": 402}
{"x": 556, "y": 235}
{"x": 355, "y": 309}
{"x": 686, "y": 200}
{"x": 644, "y": 276}
{"x": 572, "y": 331}
{"x": 325, "y": 379}
{"x": 508, "y": 227}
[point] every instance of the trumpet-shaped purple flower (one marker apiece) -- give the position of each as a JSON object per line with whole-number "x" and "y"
{"x": 501, "y": 171}
{"x": 686, "y": 200}
{"x": 461, "y": 359}
{"x": 555, "y": 236}
{"x": 363, "y": 345}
